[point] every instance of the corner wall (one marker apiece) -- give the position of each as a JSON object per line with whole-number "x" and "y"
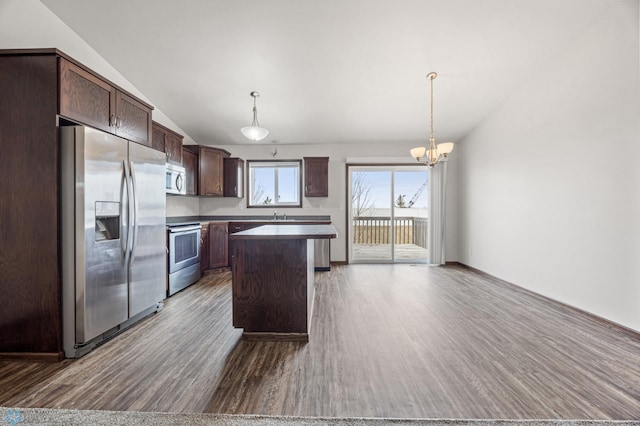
{"x": 548, "y": 184}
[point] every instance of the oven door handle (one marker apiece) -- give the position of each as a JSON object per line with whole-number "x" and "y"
{"x": 176, "y": 229}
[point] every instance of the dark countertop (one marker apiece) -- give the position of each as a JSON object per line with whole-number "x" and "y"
{"x": 184, "y": 220}
{"x": 291, "y": 232}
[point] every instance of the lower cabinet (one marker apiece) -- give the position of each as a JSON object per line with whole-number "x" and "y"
{"x": 214, "y": 252}
{"x": 204, "y": 247}
{"x": 218, "y": 245}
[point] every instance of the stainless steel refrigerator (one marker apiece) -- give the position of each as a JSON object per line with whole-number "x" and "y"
{"x": 114, "y": 235}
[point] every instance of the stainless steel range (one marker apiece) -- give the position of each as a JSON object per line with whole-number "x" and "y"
{"x": 184, "y": 256}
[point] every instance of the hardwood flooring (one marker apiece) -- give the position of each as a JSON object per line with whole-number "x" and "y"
{"x": 386, "y": 341}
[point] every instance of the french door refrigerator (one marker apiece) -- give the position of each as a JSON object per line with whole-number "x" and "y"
{"x": 114, "y": 235}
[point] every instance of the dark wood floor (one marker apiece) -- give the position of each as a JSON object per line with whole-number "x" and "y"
{"x": 386, "y": 341}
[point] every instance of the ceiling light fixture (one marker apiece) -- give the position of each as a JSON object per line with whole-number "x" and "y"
{"x": 431, "y": 155}
{"x": 255, "y": 132}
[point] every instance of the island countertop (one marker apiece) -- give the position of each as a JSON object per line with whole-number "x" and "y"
{"x": 289, "y": 232}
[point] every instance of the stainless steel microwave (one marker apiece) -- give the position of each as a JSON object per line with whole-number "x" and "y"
{"x": 176, "y": 183}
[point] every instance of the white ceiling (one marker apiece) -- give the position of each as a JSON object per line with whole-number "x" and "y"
{"x": 328, "y": 71}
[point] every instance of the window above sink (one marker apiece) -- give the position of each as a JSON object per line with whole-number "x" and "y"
{"x": 274, "y": 183}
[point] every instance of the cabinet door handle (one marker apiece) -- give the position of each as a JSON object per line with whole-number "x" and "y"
{"x": 112, "y": 120}
{"x": 118, "y": 122}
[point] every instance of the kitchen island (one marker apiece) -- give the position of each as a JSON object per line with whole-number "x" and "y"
{"x": 273, "y": 280}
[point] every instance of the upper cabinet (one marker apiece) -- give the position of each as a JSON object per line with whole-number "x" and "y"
{"x": 190, "y": 163}
{"x": 211, "y": 171}
{"x": 233, "y": 177}
{"x": 316, "y": 176}
{"x": 88, "y": 99}
{"x": 167, "y": 141}
{"x": 173, "y": 147}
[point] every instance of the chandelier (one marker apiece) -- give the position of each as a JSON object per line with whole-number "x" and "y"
{"x": 434, "y": 153}
{"x": 254, "y": 132}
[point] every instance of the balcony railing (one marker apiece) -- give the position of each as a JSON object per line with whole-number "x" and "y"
{"x": 377, "y": 230}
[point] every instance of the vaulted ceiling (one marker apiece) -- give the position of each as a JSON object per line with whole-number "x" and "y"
{"x": 328, "y": 71}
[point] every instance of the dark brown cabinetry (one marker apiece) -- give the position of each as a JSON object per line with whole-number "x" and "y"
{"x": 40, "y": 89}
{"x": 204, "y": 247}
{"x": 214, "y": 252}
{"x": 167, "y": 141}
{"x": 190, "y": 163}
{"x": 218, "y": 245}
{"x": 30, "y": 316}
{"x": 233, "y": 177}
{"x": 243, "y": 226}
{"x": 316, "y": 176}
{"x": 211, "y": 171}
{"x": 88, "y": 99}
{"x": 237, "y": 227}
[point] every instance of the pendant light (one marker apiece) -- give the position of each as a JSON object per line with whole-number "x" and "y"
{"x": 254, "y": 132}
{"x": 434, "y": 153}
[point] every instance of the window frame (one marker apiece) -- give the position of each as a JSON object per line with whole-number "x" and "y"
{"x": 266, "y": 163}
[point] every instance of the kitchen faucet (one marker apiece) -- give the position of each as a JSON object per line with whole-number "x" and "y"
{"x": 275, "y": 215}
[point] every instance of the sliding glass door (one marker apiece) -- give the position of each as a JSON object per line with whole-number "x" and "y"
{"x": 387, "y": 214}
{"x": 410, "y": 215}
{"x": 370, "y": 209}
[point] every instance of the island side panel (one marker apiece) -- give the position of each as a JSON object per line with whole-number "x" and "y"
{"x": 270, "y": 279}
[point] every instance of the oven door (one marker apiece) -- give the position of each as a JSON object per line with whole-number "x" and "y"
{"x": 184, "y": 246}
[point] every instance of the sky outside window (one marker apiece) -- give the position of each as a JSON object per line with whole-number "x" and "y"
{"x": 407, "y": 183}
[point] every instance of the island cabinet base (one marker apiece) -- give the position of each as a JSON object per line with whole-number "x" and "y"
{"x": 274, "y": 337}
{"x": 273, "y": 288}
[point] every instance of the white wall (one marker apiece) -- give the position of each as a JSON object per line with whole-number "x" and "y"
{"x": 29, "y": 24}
{"x": 334, "y": 205}
{"x": 548, "y": 184}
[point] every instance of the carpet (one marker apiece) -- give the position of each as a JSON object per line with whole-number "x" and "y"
{"x": 54, "y": 417}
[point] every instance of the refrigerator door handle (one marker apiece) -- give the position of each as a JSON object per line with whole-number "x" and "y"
{"x": 130, "y": 218}
{"x": 134, "y": 193}
{"x": 126, "y": 214}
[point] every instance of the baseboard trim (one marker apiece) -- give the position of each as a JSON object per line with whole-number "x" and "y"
{"x": 604, "y": 321}
{"x": 217, "y": 270}
{"x": 250, "y": 336}
{"x": 32, "y": 356}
